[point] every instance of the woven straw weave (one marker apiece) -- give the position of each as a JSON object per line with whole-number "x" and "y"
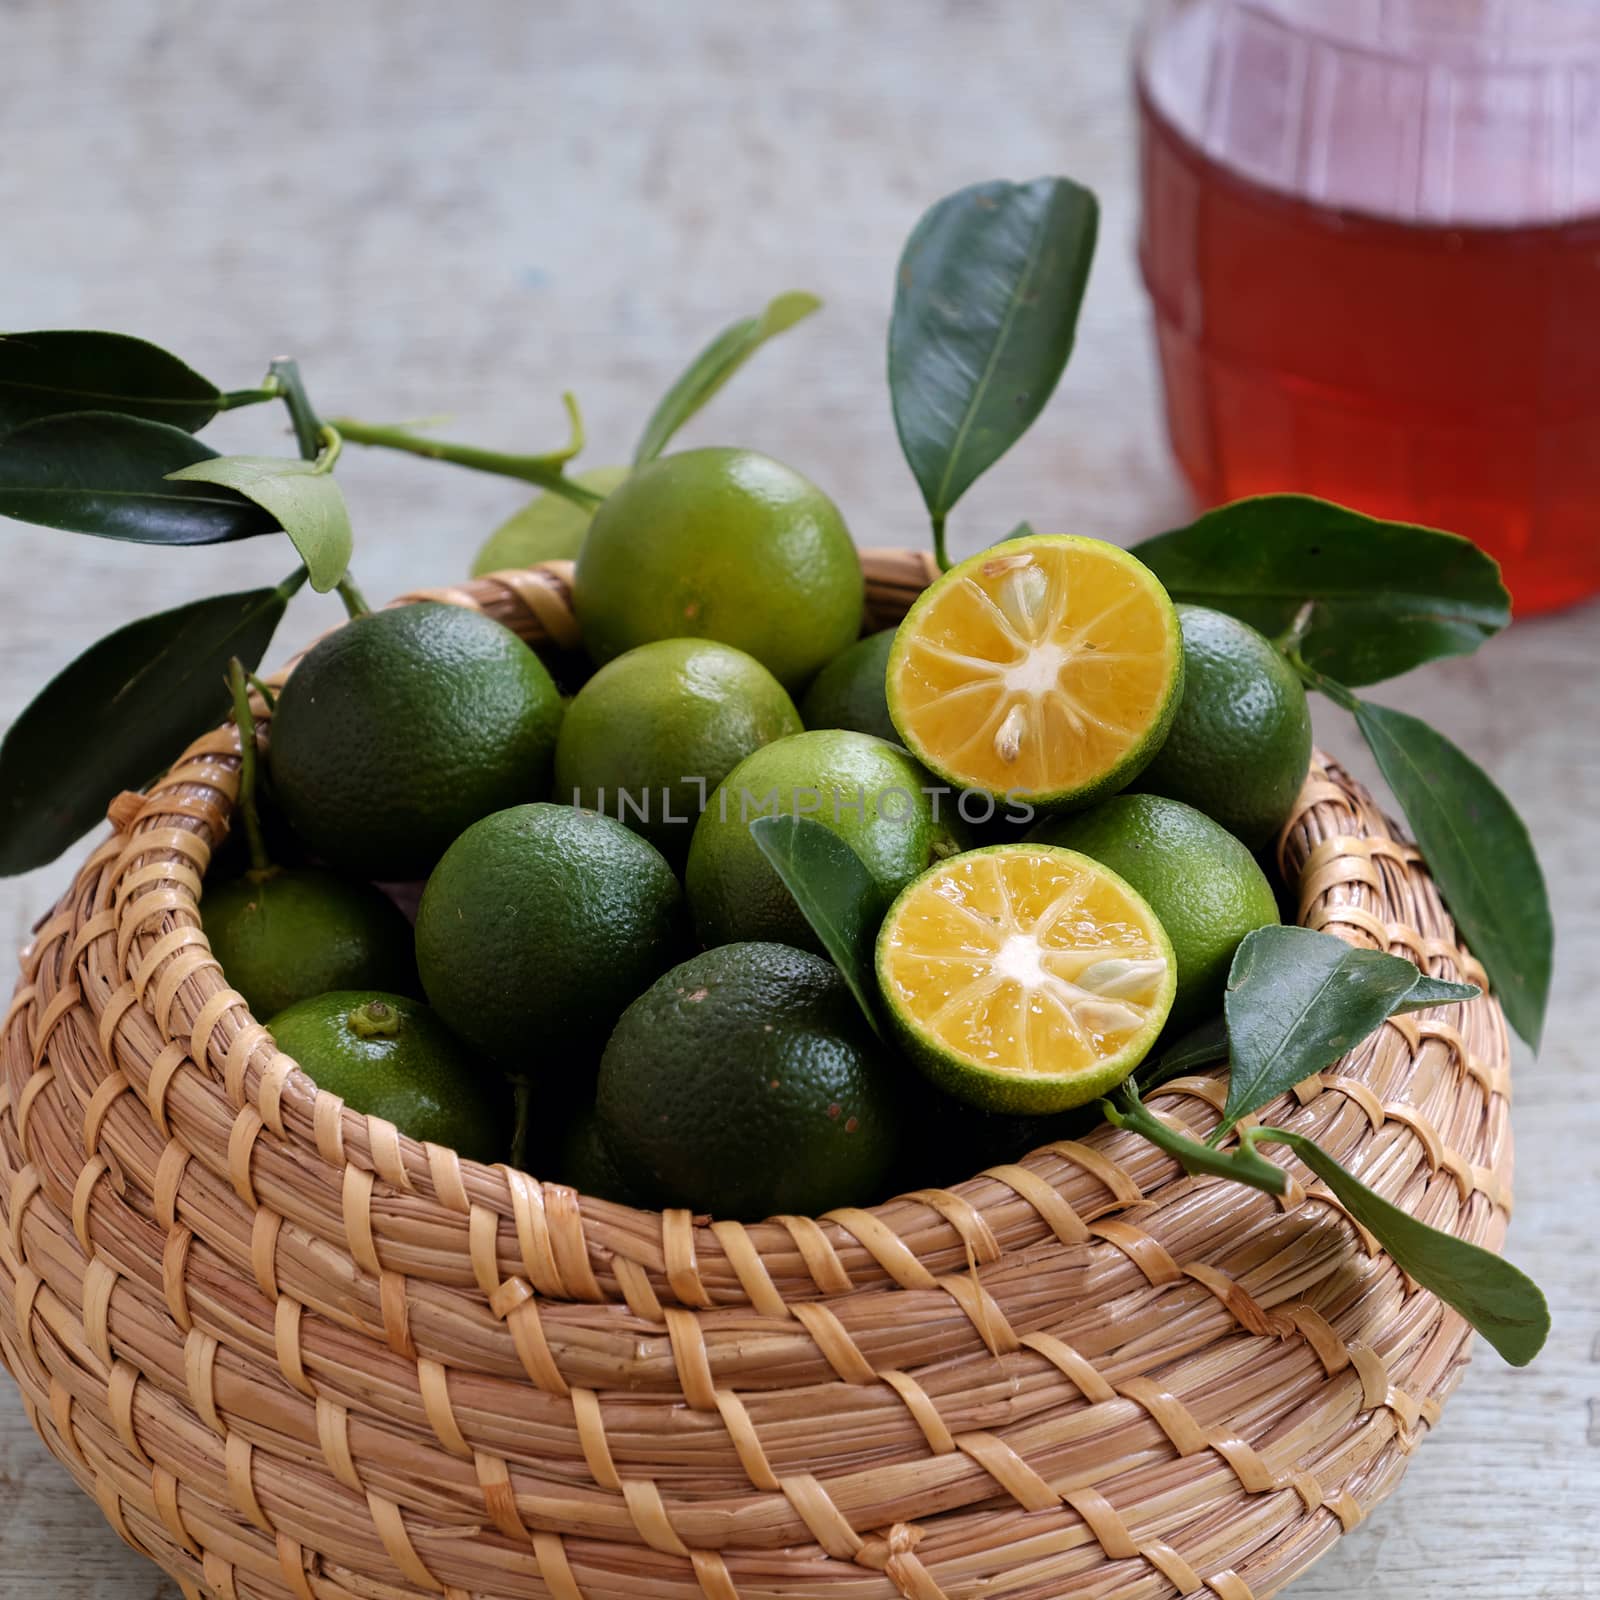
{"x": 292, "y": 1353}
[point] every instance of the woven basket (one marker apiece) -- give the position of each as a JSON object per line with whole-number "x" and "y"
{"x": 293, "y": 1353}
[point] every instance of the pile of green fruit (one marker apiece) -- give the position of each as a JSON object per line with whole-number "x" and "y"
{"x": 601, "y": 936}
{"x": 768, "y": 917}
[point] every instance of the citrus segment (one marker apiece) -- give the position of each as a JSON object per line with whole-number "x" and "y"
{"x": 1025, "y": 977}
{"x": 1048, "y": 668}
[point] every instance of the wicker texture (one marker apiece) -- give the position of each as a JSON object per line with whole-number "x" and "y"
{"x": 292, "y": 1353}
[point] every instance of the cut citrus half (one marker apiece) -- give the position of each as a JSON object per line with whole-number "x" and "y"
{"x": 1025, "y": 978}
{"x": 1046, "y": 669}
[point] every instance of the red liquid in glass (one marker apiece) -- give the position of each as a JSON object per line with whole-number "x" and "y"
{"x": 1441, "y": 372}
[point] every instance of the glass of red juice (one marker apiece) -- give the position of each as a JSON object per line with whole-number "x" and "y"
{"x": 1371, "y": 234}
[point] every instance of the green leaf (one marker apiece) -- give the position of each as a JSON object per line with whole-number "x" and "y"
{"x": 304, "y": 501}
{"x": 45, "y": 373}
{"x": 716, "y": 364}
{"x": 101, "y": 473}
{"x": 119, "y": 713}
{"x": 1298, "y": 999}
{"x": 1479, "y": 852}
{"x": 832, "y": 886}
{"x": 1503, "y": 1304}
{"x": 1203, "y": 1046}
{"x": 985, "y": 309}
{"x": 1383, "y": 597}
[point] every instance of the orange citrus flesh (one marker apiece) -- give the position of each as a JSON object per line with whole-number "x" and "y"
{"x": 1047, "y": 668}
{"x": 1025, "y": 977}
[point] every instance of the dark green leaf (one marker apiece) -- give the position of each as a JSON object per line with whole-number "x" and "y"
{"x": 307, "y": 504}
{"x": 101, "y": 473}
{"x": 119, "y": 713}
{"x": 1479, "y": 853}
{"x": 1298, "y": 999}
{"x": 1503, "y": 1304}
{"x": 1384, "y": 596}
{"x": 832, "y": 886}
{"x": 1199, "y": 1047}
{"x": 985, "y": 308}
{"x": 43, "y": 374}
{"x": 716, "y": 364}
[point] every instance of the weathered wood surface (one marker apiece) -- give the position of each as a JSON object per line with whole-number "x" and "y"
{"x": 466, "y": 209}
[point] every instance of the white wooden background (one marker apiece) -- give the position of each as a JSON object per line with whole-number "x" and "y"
{"x": 465, "y": 209}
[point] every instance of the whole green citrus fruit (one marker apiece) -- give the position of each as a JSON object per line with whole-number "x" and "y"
{"x": 746, "y": 1083}
{"x": 1196, "y": 876}
{"x": 548, "y": 528}
{"x": 389, "y": 1056}
{"x": 1240, "y": 744}
{"x": 869, "y": 792}
{"x": 721, "y": 544}
{"x": 293, "y": 932}
{"x": 849, "y": 692}
{"x": 652, "y": 733}
{"x": 538, "y": 926}
{"x": 402, "y": 727}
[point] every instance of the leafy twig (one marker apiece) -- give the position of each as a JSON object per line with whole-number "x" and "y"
{"x": 355, "y": 603}
{"x": 1126, "y": 1110}
{"x": 543, "y": 470}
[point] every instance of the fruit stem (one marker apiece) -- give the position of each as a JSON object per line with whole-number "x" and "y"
{"x": 938, "y": 542}
{"x": 377, "y": 1019}
{"x": 1290, "y": 640}
{"x": 541, "y": 470}
{"x": 307, "y": 424}
{"x": 355, "y": 603}
{"x": 522, "y": 1090}
{"x": 244, "y": 718}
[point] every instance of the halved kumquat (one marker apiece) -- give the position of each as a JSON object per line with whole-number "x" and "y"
{"x": 1046, "y": 669}
{"x": 1025, "y": 978}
